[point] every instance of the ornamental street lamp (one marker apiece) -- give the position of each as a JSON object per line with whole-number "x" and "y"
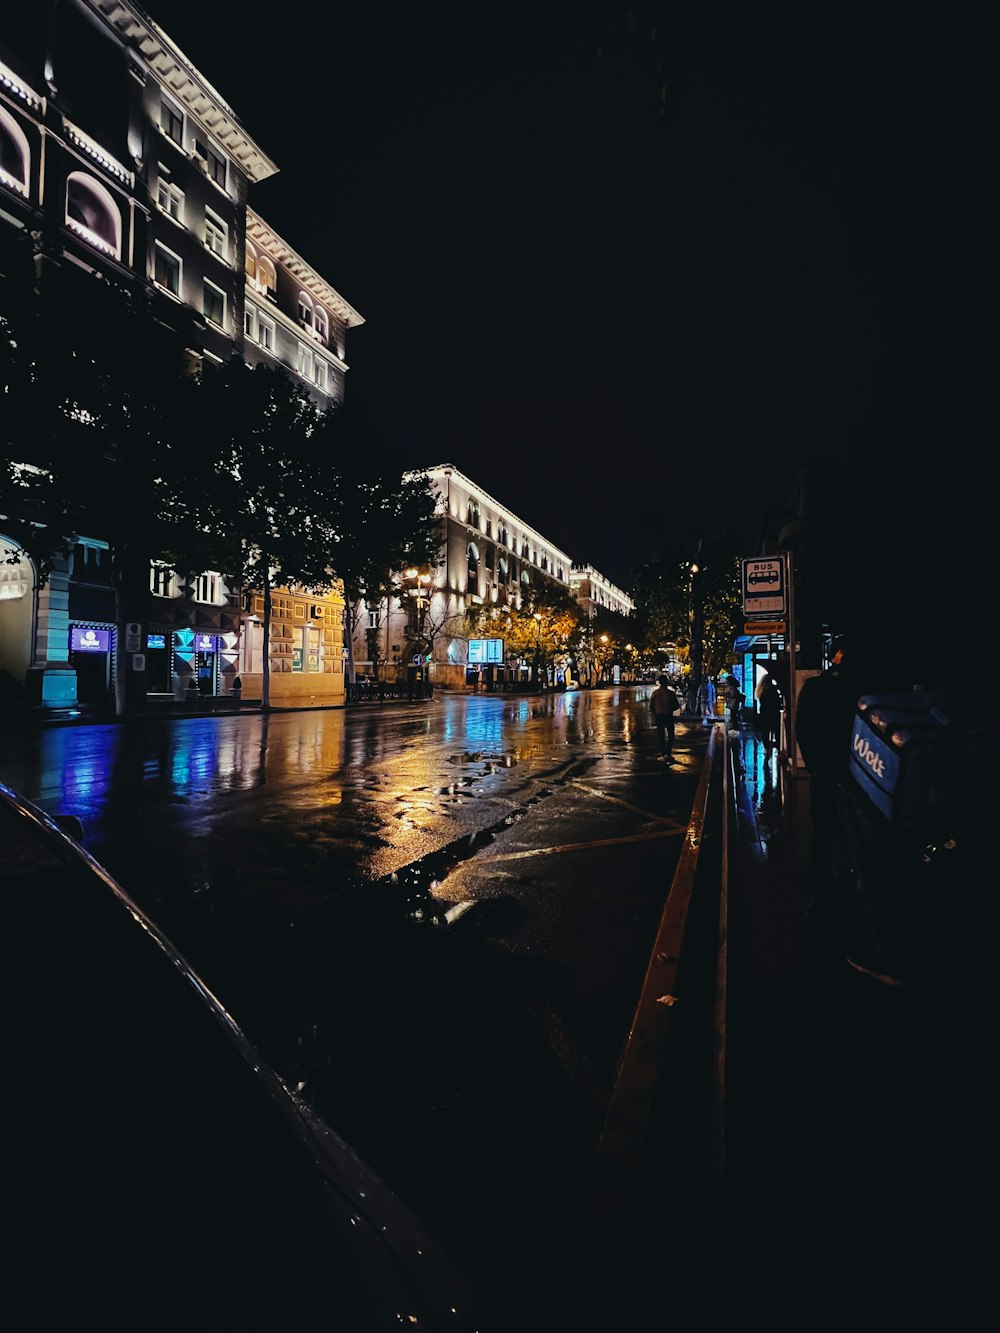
{"x": 538, "y": 647}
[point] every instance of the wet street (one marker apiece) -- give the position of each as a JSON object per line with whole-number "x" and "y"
{"x": 434, "y": 919}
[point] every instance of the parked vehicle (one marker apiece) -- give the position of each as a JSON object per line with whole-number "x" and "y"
{"x": 159, "y": 1174}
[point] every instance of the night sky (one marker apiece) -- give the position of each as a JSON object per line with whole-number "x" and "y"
{"x": 629, "y": 298}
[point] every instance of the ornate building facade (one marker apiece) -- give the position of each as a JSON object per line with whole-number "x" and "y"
{"x": 121, "y": 164}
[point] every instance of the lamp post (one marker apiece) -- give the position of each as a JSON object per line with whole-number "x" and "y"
{"x": 538, "y": 647}
{"x": 604, "y": 656}
{"x": 696, "y": 626}
{"x": 631, "y": 663}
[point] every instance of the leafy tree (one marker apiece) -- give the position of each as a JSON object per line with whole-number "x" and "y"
{"x": 266, "y": 484}
{"x": 695, "y": 609}
{"x": 93, "y": 439}
{"x": 546, "y": 625}
{"x": 385, "y": 522}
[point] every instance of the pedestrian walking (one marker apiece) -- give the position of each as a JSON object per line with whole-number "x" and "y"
{"x": 664, "y": 703}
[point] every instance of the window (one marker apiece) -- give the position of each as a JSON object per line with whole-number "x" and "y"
{"x": 373, "y": 620}
{"x": 91, "y": 213}
{"x": 14, "y": 155}
{"x": 217, "y": 166}
{"x": 265, "y": 333}
{"x": 91, "y": 563}
{"x": 321, "y": 324}
{"x": 208, "y": 588}
{"x": 214, "y": 304}
{"x": 170, "y": 197}
{"x": 267, "y": 279}
{"x": 502, "y": 535}
{"x": 250, "y": 262}
{"x": 167, "y": 270}
{"x": 322, "y": 375}
{"x": 216, "y": 234}
{"x": 305, "y": 361}
{"x": 305, "y": 310}
{"x": 171, "y": 120}
{"x": 472, "y": 584}
{"x": 161, "y": 581}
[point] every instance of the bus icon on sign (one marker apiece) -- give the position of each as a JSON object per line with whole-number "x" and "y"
{"x": 763, "y": 576}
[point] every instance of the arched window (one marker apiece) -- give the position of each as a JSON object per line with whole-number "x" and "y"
{"x": 14, "y": 154}
{"x": 267, "y": 279}
{"x": 502, "y": 535}
{"x": 91, "y": 213}
{"x": 502, "y": 570}
{"x": 250, "y": 262}
{"x": 321, "y": 323}
{"x": 472, "y": 584}
{"x": 305, "y": 310}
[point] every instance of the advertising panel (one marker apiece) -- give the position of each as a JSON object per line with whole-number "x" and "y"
{"x": 486, "y": 652}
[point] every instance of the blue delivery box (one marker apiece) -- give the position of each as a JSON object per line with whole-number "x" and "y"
{"x": 923, "y": 762}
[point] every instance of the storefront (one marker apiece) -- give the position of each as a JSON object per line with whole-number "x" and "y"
{"x": 91, "y": 655}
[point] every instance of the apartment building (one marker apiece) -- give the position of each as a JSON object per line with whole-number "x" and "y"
{"x": 122, "y": 165}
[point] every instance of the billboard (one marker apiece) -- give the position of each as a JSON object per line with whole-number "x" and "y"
{"x": 485, "y": 652}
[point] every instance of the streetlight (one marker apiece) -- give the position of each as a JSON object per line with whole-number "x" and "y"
{"x": 631, "y": 657}
{"x": 538, "y": 646}
{"x": 696, "y": 626}
{"x": 604, "y": 655}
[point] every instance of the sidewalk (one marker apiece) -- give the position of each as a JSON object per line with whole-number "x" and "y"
{"x": 848, "y": 1126}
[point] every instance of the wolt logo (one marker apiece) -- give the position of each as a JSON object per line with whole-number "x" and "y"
{"x": 869, "y": 756}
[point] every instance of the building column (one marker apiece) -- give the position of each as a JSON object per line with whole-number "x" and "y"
{"x": 51, "y": 681}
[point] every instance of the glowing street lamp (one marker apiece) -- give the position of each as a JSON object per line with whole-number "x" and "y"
{"x": 538, "y": 646}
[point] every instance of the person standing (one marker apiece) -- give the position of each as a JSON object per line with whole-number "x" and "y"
{"x": 734, "y": 700}
{"x": 706, "y": 699}
{"x": 770, "y": 703}
{"x": 664, "y": 704}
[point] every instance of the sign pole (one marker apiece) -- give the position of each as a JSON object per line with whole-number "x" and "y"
{"x": 792, "y": 682}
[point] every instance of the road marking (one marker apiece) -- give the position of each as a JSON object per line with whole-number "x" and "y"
{"x": 676, "y": 830}
{"x": 616, "y": 800}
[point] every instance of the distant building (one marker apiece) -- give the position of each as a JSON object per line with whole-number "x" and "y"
{"x": 489, "y": 556}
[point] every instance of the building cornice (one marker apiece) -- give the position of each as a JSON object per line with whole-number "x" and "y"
{"x": 259, "y": 233}
{"x": 187, "y": 84}
{"x": 441, "y": 470}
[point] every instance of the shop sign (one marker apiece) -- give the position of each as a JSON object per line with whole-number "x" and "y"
{"x": 205, "y": 643}
{"x": 89, "y": 640}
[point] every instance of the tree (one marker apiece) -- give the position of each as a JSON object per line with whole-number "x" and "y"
{"x": 267, "y": 484}
{"x": 688, "y": 595}
{"x": 545, "y": 625}
{"x": 386, "y": 522}
{"x": 94, "y": 438}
